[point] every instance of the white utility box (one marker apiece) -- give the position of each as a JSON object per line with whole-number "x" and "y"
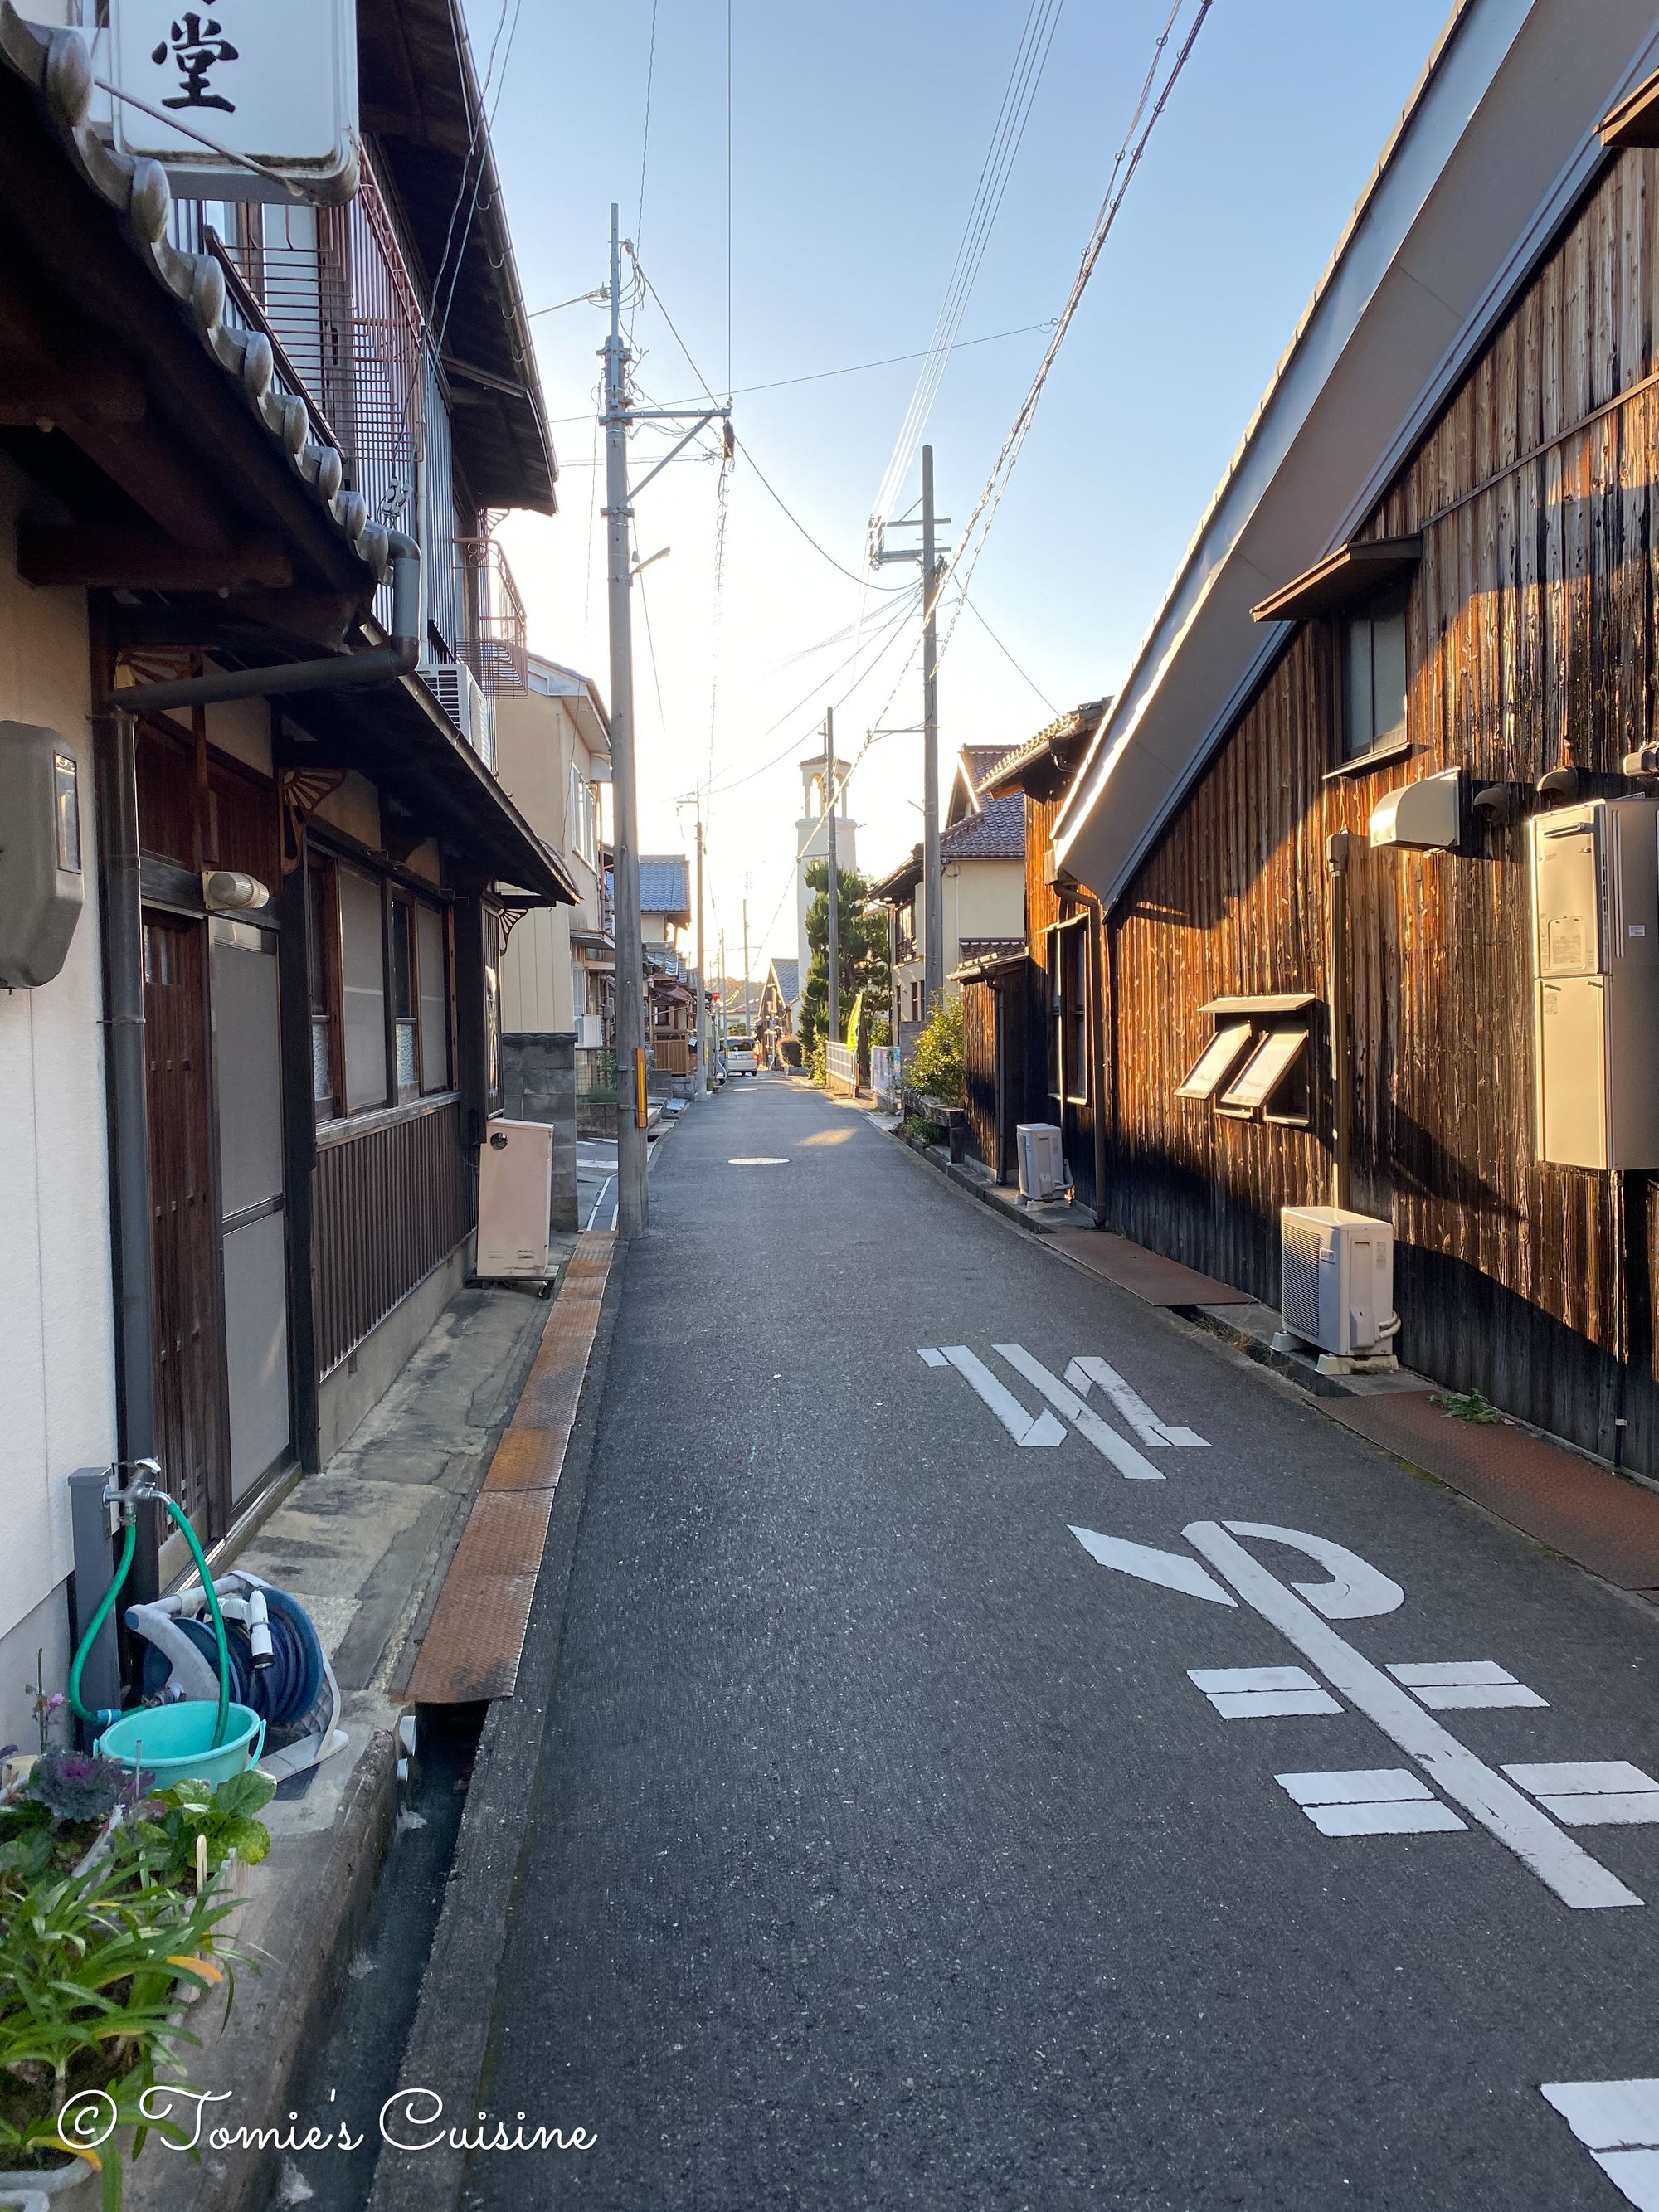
{"x": 1337, "y": 1272}
{"x": 515, "y": 1199}
{"x": 1595, "y": 961}
{"x": 1041, "y": 1160}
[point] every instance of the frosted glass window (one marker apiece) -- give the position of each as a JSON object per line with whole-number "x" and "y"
{"x": 435, "y": 998}
{"x": 362, "y": 939}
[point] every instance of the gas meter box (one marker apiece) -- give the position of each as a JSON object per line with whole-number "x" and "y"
{"x": 1595, "y": 961}
{"x": 40, "y": 872}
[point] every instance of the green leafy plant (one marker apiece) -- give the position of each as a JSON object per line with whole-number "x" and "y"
{"x": 164, "y": 1830}
{"x": 1467, "y": 1406}
{"x": 817, "y": 1065}
{"x": 936, "y": 1066}
{"x": 59, "y": 1812}
{"x": 90, "y": 1966}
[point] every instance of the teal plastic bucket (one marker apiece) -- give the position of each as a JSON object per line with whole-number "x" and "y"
{"x": 174, "y": 1743}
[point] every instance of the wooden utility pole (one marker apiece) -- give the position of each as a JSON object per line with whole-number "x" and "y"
{"x": 833, "y": 969}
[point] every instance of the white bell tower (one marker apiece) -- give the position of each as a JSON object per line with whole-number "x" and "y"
{"x": 812, "y": 839}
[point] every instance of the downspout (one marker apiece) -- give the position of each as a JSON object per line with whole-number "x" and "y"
{"x": 115, "y": 780}
{"x": 338, "y": 672}
{"x": 115, "y": 731}
{"x": 1337, "y": 845}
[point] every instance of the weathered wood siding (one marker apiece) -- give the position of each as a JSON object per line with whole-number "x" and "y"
{"x": 1531, "y": 640}
{"x": 979, "y": 1058}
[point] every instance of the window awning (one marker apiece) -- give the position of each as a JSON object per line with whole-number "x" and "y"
{"x": 1347, "y": 578}
{"x": 1217, "y": 1061}
{"x": 1269, "y": 1003}
{"x": 1266, "y": 1073}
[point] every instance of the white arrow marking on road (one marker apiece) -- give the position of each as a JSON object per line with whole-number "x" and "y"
{"x": 1026, "y": 1428}
{"x": 1133, "y": 1465}
{"x": 1168, "y": 1569}
{"x": 1129, "y": 1402}
{"x": 1617, "y": 2123}
{"x": 1355, "y": 1591}
{"x": 1576, "y": 1878}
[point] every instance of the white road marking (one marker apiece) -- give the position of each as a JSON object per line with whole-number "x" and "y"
{"x": 1133, "y": 1465}
{"x": 1269, "y": 1705}
{"x": 599, "y": 1201}
{"x": 1168, "y": 1569}
{"x": 1378, "y": 1800}
{"x": 1459, "y": 1685}
{"x": 1132, "y": 1407}
{"x": 1025, "y": 1429}
{"x": 1617, "y": 2123}
{"x": 1243, "y": 1693}
{"x": 1592, "y": 1794}
{"x": 762, "y": 1161}
{"x": 1355, "y": 1591}
{"x": 934, "y": 1357}
{"x": 1522, "y": 1827}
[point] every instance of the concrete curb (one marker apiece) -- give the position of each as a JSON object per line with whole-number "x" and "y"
{"x": 302, "y": 1935}
{"x": 451, "y": 2045}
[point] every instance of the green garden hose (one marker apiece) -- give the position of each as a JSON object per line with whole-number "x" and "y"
{"x": 123, "y": 1566}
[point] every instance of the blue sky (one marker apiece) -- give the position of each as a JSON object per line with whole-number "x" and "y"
{"x": 858, "y": 134}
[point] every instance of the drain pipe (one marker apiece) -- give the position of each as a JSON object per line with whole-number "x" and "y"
{"x": 339, "y": 671}
{"x": 1336, "y": 961}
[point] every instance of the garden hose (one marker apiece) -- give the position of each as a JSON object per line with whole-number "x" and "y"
{"x": 156, "y": 1496}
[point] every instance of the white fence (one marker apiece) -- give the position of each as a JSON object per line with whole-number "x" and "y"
{"x": 840, "y": 1067}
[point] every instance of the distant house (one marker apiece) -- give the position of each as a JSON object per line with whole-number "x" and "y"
{"x": 982, "y": 888}
{"x": 670, "y": 978}
{"x": 780, "y": 1003}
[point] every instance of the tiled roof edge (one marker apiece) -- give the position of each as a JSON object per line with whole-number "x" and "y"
{"x": 57, "y": 65}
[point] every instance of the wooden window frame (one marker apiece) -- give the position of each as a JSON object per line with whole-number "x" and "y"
{"x": 1386, "y": 606}
{"x": 323, "y": 968}
{"x": 325, "y": 956}
{"x": 1068, "y": 1085}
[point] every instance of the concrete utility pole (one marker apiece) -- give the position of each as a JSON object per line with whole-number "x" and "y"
{"x": 932, "y": 954}
{"x": 618, "y": 418}
{"x": 748, "y": 1024}
{"x": 833, "y": 966}
{"x": 699, "y": 1079}
{"x": 932, "y": 572}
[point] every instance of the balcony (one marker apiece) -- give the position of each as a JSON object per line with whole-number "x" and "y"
{"x": 500, "y": 630}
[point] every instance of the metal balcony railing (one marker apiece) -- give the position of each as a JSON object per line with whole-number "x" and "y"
{"x": 499, "y": 652}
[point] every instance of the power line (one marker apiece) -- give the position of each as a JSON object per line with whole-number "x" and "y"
{"x": 1024, "y": 76}
{"x": 1008, "y": 656}
{"x": 775, "y": 495}
{"x": 645, "y": 136}
{"x": 1126, "y": 162}
{"x": 820, "y": 375}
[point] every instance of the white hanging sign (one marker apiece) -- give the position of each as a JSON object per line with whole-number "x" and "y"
{"x": 270, "y": 82}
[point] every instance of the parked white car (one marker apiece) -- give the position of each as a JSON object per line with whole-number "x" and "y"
{"x": 740, "y": 1053}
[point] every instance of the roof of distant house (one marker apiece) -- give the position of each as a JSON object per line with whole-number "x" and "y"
{"x": 786, "y": 974}
{"x": 666, "y": 885}
{"x": 997, "y": 832}
{"x": 1066, "y": 734}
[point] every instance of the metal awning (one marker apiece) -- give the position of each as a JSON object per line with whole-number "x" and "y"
{"x": 1344, "y": 579}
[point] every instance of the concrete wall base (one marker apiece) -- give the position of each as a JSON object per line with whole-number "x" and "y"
{"x": 538, "y": 1083}
{"x": 45, "y": 1629}
{"x": 357, "y": 1385}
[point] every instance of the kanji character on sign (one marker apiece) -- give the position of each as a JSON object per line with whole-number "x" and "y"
{"x": 198, "y": 44}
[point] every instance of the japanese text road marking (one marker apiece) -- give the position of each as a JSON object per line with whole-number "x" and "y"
{"x": 1355, "y": 1591}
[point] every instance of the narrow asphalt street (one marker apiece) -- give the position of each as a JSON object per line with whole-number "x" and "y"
{"x": 885, "y": 1851}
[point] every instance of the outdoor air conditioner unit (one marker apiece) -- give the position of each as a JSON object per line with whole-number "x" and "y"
{"x": 459, "y": 692}
{"x": 1042, "y": 1162}
{"x": 1338, "y": 1281}
{"x": 590, "y": 1032}
{"x": 515, "y": 1200}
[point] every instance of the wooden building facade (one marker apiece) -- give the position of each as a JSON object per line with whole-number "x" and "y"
{"x": 1491, "y": 609}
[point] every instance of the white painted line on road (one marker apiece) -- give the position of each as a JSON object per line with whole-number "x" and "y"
{"x": 934, "y": 1359}
{"x": 1377, "y": 1801}
{"x": 1356, "y": 1590}
{"x": 1243, "y": 1693}
{"x": 1592, "y": 1794}
{"x": 599, "y": 1201}
{"x": 1026, "y": 1428}
{"x": 1168, "y": 1569}
{"x": 1129, "y": 1402}
{"x": 1133, "y": 1465}
{"x": 1617, "y": 2123}
{"x": 1461, "y": 1685}
{"x": 760, "y": 1161}
{"x": 1522, "y": 1827}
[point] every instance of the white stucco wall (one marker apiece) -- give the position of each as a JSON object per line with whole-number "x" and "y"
{"x": 537, "y": 744}
{"x": 56, "y": 1358}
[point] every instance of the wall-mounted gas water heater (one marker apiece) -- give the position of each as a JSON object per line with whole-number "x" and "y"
{"x": 40, "y": 871}
{"x": 1595, "y": 958}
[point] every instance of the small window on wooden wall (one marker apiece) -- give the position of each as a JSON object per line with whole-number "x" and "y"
{"x": 1068, "y": 1013}
{"x": 322, "y": 960}
{"x": 405, "y": 1000}
{"x": 1374, "y": 676}
{"x": 379, "y": 980}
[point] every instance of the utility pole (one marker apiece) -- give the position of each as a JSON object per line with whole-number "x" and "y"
{"x": 932, "y": 572}
{"x": 747, "y": 1024}
{"x": 933, "y": 952}
{"x": 618, "y": 418}
{"x": 699, "y": 1079}
{"x": 834, "y": 878}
